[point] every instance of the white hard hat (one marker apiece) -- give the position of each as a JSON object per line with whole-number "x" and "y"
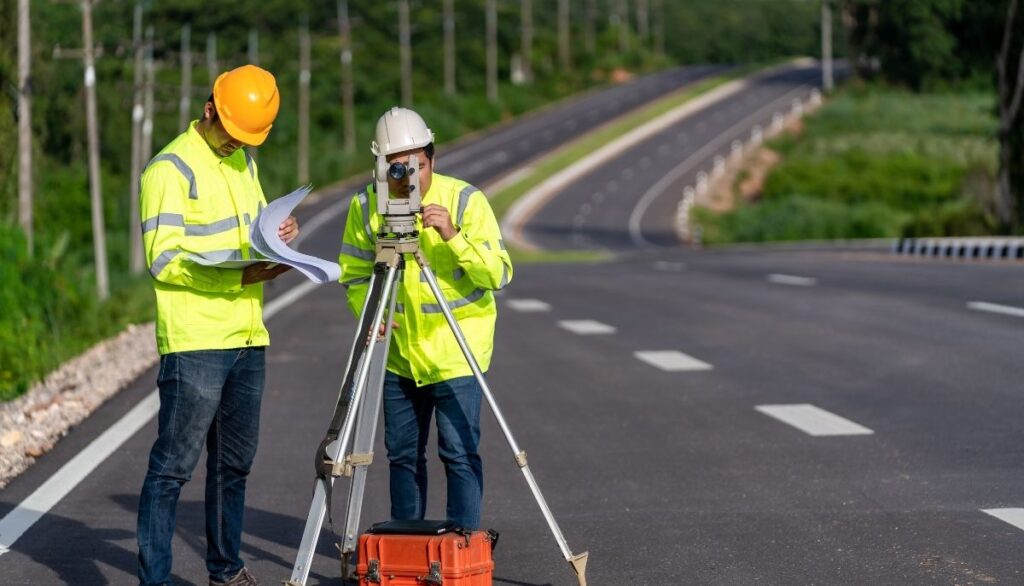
{"x": 398, "y": 130}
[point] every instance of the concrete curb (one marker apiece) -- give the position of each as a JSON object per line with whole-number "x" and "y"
{"x": 528, "y": 205}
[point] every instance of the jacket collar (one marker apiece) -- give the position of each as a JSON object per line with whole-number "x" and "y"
{"x": 205, "y": 155}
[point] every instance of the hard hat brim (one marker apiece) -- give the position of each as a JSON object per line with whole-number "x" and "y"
{"x": 249, "y": 138}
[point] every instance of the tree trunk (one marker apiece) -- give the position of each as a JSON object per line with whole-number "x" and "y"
{"x": 1011, "y": 178}
{"x": 1010, "y": 202}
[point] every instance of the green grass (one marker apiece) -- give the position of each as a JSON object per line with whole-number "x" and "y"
{"x": 876, "y": 163}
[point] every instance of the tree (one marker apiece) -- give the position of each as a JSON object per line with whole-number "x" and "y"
{"x": 1011, "y": 131}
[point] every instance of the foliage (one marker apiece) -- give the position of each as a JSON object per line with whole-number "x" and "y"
{"x": 50, "y": 312}
{"x": 59, "y": 306}
{"x": 876, "y": 163}
{"x": 927, "y": 44}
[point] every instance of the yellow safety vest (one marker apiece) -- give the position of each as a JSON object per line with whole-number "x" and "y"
{"x": 469, "y": 267}
{"x": 194, "y": 202}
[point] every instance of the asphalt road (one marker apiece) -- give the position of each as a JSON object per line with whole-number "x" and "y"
{"x": 595, "y": 211}
{"x": 667, "y": 477}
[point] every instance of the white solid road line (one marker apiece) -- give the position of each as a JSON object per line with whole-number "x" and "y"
{"x": 813, "y": 420}
{"x": 1014, "y": 517}
{"x": 16, "y": 522}
{"x": 523, "y": 209}
{"x": 996, "y": 308}
{"x": 793, "y": 280}
{"x": 671, "y": 360}
{"x": 724, "y": 138}
{"x": 37, "y": 504}
{"x": 586, "y": 327}
{"x": 528, "y": 305}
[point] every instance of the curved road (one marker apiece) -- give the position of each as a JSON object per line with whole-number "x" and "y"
{"x": 644, "y": 184}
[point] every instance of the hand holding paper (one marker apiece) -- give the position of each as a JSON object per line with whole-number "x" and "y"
{"x": 269, "y": 236}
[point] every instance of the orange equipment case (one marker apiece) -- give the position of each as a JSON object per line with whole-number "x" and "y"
{"x": 425, "y": 553}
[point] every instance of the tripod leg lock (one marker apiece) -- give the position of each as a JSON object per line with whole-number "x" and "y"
{"x": 348, "y": 465}
{"x": 521, "y": 459}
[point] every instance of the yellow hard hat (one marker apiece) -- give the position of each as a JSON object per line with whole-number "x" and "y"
{"x": 247, "y": 102}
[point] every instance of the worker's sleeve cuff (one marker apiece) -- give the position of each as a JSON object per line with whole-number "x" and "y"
{"x": 458, "y": 244}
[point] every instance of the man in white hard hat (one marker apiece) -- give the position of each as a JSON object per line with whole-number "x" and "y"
{"x": 426, "y": 371}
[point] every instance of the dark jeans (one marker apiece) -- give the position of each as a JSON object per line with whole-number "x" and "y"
{"x": 407, "y": 414}
{"x": 212, "y": 396}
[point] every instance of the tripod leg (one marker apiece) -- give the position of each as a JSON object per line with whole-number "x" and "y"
{"x": 365, "y": 433}
{"x": 578, "y": 562}
{"x": 318, "y": 508}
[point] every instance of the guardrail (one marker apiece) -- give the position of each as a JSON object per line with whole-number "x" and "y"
{"x": 993, "y": 248}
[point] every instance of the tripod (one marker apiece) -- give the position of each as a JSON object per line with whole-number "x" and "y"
{"x": 362, "y": 392}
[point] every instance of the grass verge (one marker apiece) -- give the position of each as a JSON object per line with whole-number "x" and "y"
{"x": 875, "y": 162}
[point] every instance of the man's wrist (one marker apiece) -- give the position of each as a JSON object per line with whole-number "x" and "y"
{"x": 457, "y": 243}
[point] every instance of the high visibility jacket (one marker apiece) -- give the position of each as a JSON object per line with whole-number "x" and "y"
{"x": 469, "y": 268}
{"x": 194, "y": 202}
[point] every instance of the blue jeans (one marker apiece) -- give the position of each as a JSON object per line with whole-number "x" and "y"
{"x": 407, "y": 414}
{"x": 210, "y": 396}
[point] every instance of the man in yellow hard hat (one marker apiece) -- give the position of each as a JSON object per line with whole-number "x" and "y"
{"x": 426, "y": 370}
{"x": 199, "y": 196}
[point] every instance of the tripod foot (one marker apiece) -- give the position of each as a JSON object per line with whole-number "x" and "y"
{"x": 579, "y": 565}
{"x": 345, "y": 557}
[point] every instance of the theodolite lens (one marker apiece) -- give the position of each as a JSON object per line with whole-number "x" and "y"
{"x": 398, "y": 171}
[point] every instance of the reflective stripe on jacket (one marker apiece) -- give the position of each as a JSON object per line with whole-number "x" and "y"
{"x": 469, "y": 268}
{"x": 194, "y": 202}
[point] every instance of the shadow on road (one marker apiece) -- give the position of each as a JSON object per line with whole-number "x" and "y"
{"x": 272, "y": 527}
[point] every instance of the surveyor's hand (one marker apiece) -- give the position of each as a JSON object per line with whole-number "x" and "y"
{"x": 288, "y": 229}
{"x": 380, "y": 330}
{"x": 438, "y": 218}
{"x": 261, "y": 271}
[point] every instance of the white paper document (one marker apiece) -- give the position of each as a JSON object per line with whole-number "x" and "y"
{"x": 268, "y": 247}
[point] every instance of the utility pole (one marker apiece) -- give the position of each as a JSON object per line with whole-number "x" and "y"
{"x": 99, "y": 236}
{"x": 25, "y": 122}
{"x": 492, "y": 51}
{"x": 148, "y": 106}
{"x": 211, "y": 59}
{"x": 347, "y": 93}
{"x": 184, "y": 105}
{"x": 526, "y": 12}
{"x": 303, "y": 170}
{"x": 827, "y": 80}
{"x": 622, "y": 13}
{"x": 659, "y": 27}
{"x": 643, "y": 21}
{"x": 254, "y": 59}
{"x": 254, "y": 46}
{"x": 405, "y": 51}
{"x": 564, "y": 57}
{"x": 589, "y": 34}
{"x": 135, "y": 257}
{"x": 449, "y": 47}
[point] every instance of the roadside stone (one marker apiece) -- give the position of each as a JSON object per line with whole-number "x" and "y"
{"x": 11, "y": 438}
{"x": 33, "y": 423}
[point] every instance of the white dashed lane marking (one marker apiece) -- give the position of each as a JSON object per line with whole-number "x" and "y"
{"x": 586, "y": 327}
{"x": 813, "y": 420}
{"x": 1014, "y": 517}
{"x": 671, "y": 360}
{"x": 528, "y": 305}
{"x": 780, "y": 279}
{"x": 995, "y": 308}
{"x": 664, "y": 265}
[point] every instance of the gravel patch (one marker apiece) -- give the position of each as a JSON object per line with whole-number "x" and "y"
{"x": 32, "y": 424}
